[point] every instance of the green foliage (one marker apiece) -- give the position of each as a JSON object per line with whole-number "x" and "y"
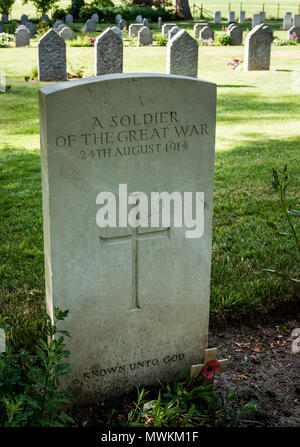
{"x": 59, "y": 14}
{"x": 5, "y": 6}
{"x": 160, "y": 40}
{"x": 33, "y": 74}
{"x": 280, "y": 183}
{"x": 82, "y": 41}
{"x": 29, "y": 383}
{"x": 129, "y": 13}
{"x": 42, "y": 27}
{"x": 42, "y": 6}
{"x": 75, "y": 8}
{"x": 223, "y": 39}
{"x": 5, "y": 40}
{"x": 283, "y": 42}
{"x": 76, "y": 71}
{"x": 186, "y": 403}
{"x": 11, "y": 26}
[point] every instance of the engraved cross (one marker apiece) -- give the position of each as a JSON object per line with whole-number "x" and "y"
{"x": 135, "y": 237}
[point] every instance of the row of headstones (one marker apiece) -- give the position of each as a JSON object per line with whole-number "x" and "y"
{"x": 231, "y": 17}
{"x": 289, "y": 21}
{"x": 182, "y": 53}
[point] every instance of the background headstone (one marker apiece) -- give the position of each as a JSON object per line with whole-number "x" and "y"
{"x": 24, "y": 19}
{"x": 60, "y": 28}
{"x": 22, "y": 37}
{"x": 231, "y": 16}
{"x": 95, "y": 17}
{"x": 139, "y": 19}
{"x": 262, "y": 17}
{"x": 90, "y": 26}
{"x": 166, "y": 28}
{"x": 173, "y": 31}
{"x": 52, "y": 57}
{"x": 287, "y": 21}
{"x": 159, "y": 23}
{"x": 258, "y": 49}
{"x": 115, "y": 346}
{"x": 122, "y": 24}
{"x": 134, "y": 29}
{"x": 69, "y": 18}
{"x": 198, "y": 27}
{"x": 145, "y": 36}
{"x": 2, "y": 89}
{"x": 4, "y": 18}
{"x": 108, "y": 53}
{"x": 145, "y": 22}
{"x": 117, "y": 30}
{"x": 242, "y": 17}
{"x": 31, "y": 28}
{"x": 57, "y": 24}
{"x": 296, "y": 20}
{"x": 217, "y": 17}
{"x": 236, "y": 35}
{"x": 206, "y": 33}
{"x": 182, "y": 55}
{"x": 1, "y": 27}
{"x": 295, "y": 30}
{"x": 118, "y": 18}
{"x": 66, "y": 33}
{"x": 45, "y": 18}
{"x": 255, "y": 20}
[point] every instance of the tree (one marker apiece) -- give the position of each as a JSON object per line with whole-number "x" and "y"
{"x": 5, "y": 6}
{"x": 41, "y": 6}
{"x": 183, "y": 10}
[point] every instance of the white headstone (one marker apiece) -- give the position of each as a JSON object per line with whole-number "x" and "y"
{"x": 231, "y": 16}
{"x": 255, "y": 20}
{"x": 262, "y": 17}
{"x": 2, "y": 81}
{"x": 242, "y": 17}
{"x": 138, "y": 297}
{"x": 145, "y": 36}
{"x": 182, "y": 55}
{"x": 296, "y": 20}
{"x": 139, "y": 19}
{"x": 258, "y": 48}
{"x": 159, "y": 23}
{"x": 287, "y": 21}
{"x": 217, "y": 17}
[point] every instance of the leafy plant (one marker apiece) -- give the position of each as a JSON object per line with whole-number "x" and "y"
{"x": 76, "y": 72}
{"x": 42, "y": 27}
{"x": 29, "y": 383}
{"x": 161, "y": 41}
{"x": 5, "y": 40}
{"x": 82, "y": 41}
{"x": 293, "y": 40}
{"x": 223, "y": 39}
{"x": 280, "y": 183}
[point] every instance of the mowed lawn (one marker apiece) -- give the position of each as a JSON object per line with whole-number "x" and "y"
{"x": 257, "y": 129}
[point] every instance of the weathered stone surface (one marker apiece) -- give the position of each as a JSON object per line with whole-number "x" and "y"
{"x": 197, "y": 28}
{"x": 69, "y": 18}
{"x": 66, "y": 33}
{"x": 57, "y": 24}
{"x": 231, "y": 26}
{"x": 117, "y": 30}
{"x": 217, "y": 17}
{"x": 182, "y": 55}
{"x": 166, "y": 28}
{"x": 102, "y": 274}
{"x": 95, "y": 17}
{"x": 145, "y": 36}
{"x": 45, "y": 18}
{"x": 139, "y": 19}
{"x": 122, "y": 24}
{"x": 242, "y": 17}
{"x": 52, "y": 57}
{"x": 134, "y": 29}
{"x": 258, "y": 49}
{"x": 22, "y": 37}
{"x": 108, "y": 53}
{"x": 231, "y": 16}
{"x": 206, "y": 33}
{"x": 2, "y": 340}
{"x": 4, "y": 18}
{"x": 236, "y": 35}
{"x": 292, "y": 32}
{"x": 268, "y": 30}
{"x": 90, "y": 26}
{"x": 118, "y": 18}
{"x": 173, "y": 31}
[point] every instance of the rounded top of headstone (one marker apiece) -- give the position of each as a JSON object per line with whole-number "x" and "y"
{"x": 57, "y": 24}
{"x": 95, "y": 17}
{"x": 118, "y": 18}
{"x": 139, "y": 19}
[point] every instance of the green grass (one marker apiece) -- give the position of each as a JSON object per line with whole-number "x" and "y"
{"x": 257, "y": 128}
{"x": 250, "y": 6}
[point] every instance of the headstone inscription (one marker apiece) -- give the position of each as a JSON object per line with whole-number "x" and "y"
{"x": 182, "y": 55}
{"x": 108, "y": 53}
{"x": 52, "y": 64}
{"x": 258, "y": 48}
{"x": 138, "y": 296}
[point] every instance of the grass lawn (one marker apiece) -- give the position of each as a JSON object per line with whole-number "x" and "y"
{"x": 257, "y": 129}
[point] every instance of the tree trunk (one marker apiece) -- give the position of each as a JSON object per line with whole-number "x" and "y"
{"x": 183, "y": 10}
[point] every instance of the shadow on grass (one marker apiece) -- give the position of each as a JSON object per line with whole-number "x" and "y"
{"x": 235, "y": 86}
